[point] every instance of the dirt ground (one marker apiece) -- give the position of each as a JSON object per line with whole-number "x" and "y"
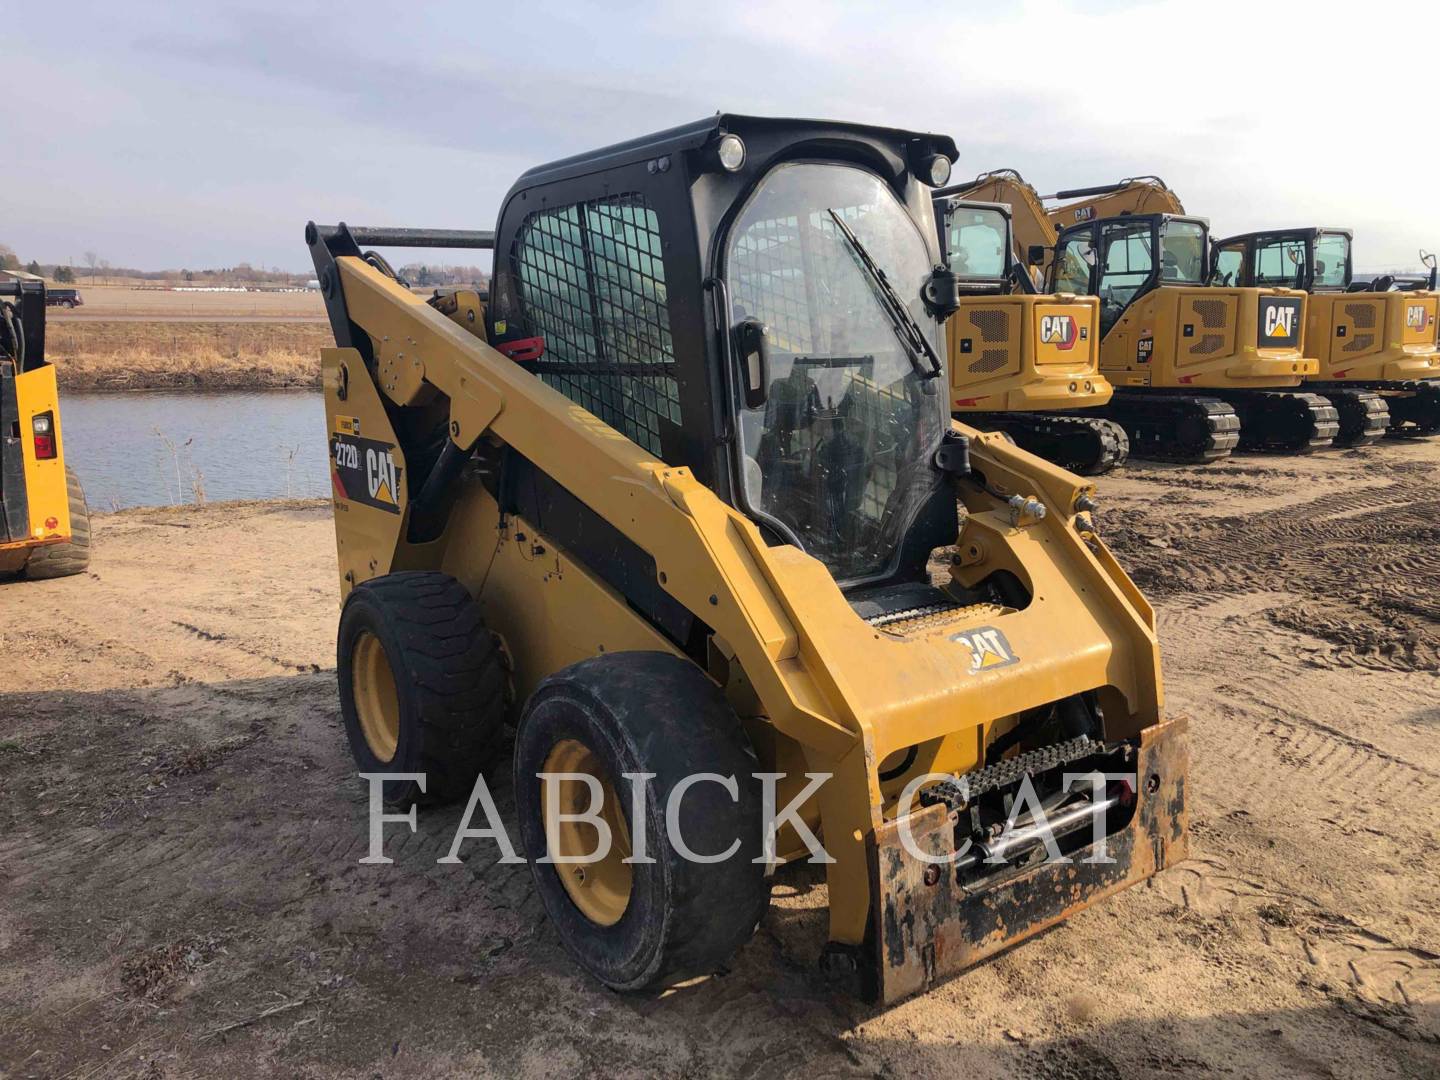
{"x": 181, "y": 829}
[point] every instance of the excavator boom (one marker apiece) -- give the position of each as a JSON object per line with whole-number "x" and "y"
{"x": 1136, "y": 195}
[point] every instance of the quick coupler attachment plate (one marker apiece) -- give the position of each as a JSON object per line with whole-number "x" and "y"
{"x": 940, "y": 909}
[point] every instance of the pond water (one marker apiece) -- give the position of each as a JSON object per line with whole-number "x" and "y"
{"x": 236, "y": 444}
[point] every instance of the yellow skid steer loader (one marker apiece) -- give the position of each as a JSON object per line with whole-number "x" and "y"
{"x": 684, "y": 489}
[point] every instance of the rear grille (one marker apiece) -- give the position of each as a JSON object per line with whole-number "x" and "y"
{"x": 1208, "y": 345}
{"x": 994, "y": 327}
{"x": 1362, "y": 315}
{"x": 1212, "y": 316}
{"x": 1359, "y": 343}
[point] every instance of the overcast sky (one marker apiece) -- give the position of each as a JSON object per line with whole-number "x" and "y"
{"x": 179, "y": 134}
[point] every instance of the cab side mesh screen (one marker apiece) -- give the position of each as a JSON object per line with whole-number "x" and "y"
{"x": 592, "y": 283}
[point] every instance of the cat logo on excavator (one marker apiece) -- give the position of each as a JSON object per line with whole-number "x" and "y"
{"x": 1415, "y": 317}
{"x": 1058, "y": 330}
{"x": 1279, "y": 322}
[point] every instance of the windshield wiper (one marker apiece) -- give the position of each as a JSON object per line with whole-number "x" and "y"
{"x": 917, "y": 345}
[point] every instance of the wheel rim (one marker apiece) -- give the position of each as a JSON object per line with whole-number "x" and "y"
{"x": 376, "y": 701}
{"x": 600, "y": 889}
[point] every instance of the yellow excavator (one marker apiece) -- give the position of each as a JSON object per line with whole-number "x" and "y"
{"x": 1381, "y": 336}
{"x": 668, "y": 499}
{"x": 1018, "y": 358}
{"x": 1361, "y": 412}
{"x": 1162, "y": 338}
{"x": 44, "y": 523}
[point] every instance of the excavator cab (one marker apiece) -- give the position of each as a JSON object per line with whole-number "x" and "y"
{"x": 1315, "y": 260}
{"x": 1372, "y": 343}
{"x": 1016, "y": 355}
{"x": 1120, "y": 260}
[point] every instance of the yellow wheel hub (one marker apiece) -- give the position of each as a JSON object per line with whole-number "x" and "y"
{"x": 600, "y": 888}
{"x": 376, "y": 701}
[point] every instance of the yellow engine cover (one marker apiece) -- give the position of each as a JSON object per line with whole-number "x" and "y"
{"x": 1178, "y": 336}
{"x": 1018, "y": 352}
{"x": 1375, "y": 336}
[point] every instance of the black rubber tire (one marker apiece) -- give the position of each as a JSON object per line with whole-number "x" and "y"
{"x": 450, "y": 680}
{"x": 651, "y": 712}
{"x": 73, "y": 556}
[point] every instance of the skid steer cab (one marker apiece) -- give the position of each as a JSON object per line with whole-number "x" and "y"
{"x": 44, "y": 523}
{"x": 679, "y": 493}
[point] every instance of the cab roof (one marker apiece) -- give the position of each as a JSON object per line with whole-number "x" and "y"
{"x": 700, "y": 133}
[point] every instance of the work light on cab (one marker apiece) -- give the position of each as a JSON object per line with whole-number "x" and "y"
{"x": 938, "y": 170}
{"x": 731, "y": 152}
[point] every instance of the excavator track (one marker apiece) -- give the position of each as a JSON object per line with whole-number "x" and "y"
{"x": 1364, "y": 416}
{"x": 1174, "y": 427}
{"x": 1088, "y": 445}
{"x": 1283, "y": 421}
{"x": 1414, "y": 404}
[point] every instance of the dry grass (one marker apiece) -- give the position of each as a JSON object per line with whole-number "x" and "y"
{"x": 97, "y": 355}
{"x": 103, "y": 300}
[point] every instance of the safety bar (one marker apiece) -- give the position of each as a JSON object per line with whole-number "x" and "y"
{"x": 372, "y": 236}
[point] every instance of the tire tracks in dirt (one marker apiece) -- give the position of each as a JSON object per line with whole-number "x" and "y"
{"x": 1361, "y": 565}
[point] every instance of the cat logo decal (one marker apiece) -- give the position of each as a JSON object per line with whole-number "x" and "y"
{"x": 988, "y": 647}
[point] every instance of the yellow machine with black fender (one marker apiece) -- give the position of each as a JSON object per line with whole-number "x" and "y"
{"x": 1022, "y": 361}
{"x": 44, "y": 523}
{"x": 673, "y": 493}
{"x": 1378, "y": 336}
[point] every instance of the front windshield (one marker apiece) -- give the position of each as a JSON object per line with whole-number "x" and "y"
{"x": 840, "y": 453}
{"x": 1182, "y": 252}
{"x": 975, "y": 243}
{"x": 1332, "y": 256}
